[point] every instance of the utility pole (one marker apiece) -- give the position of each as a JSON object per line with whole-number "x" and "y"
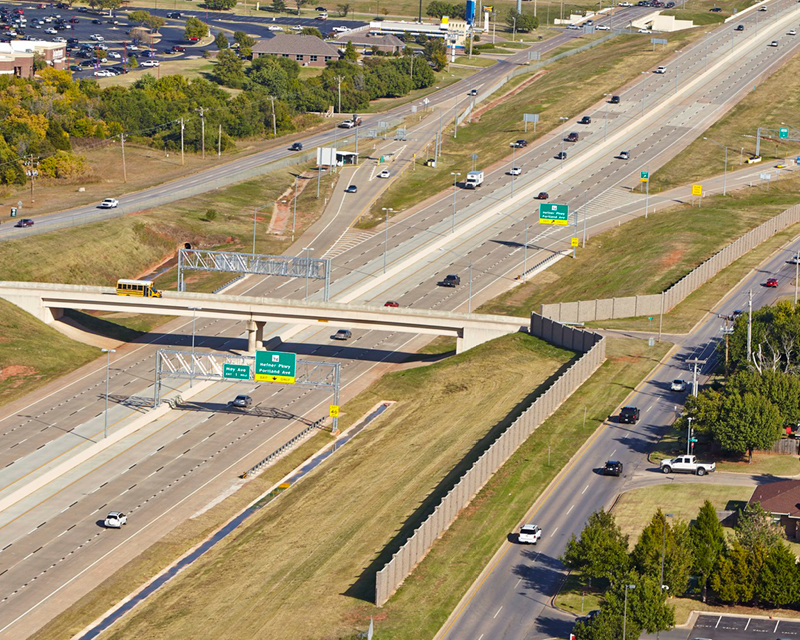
{"x": 274, "y": 127}
{"x": 203, "y": 132}
{"x": 339, "y": 80}
{"x": 32, "y": 173}
{"x": 182, "y": 127}
{"x": 219, "y": 141}
{"x": 124, "y": 171}
{"x": 688, "y": 436}
{"x": 695, "y": 362}
{"x": 750, "y": 327}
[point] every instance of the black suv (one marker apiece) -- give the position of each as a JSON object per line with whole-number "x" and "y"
{"x": 519, "y": 144}
{"x": 629, "y": 415}
{"x": 585, "y": 120}
{"x": 614, "y": 100}
{"x": 175, "y": 15}
{"x": 296, "y": 146}
{"x": 613, "y": 468}
{"x": 450, "y": 281}
{"x": 572, "y": 137}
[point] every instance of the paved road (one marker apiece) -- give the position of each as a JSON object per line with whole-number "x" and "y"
{"x": 717, "y": 627}
{"x": 56, "y": 551}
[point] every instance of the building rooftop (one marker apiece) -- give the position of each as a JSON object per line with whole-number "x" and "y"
{"x": 782, "y": 497}
{"x": 292, "y": 44}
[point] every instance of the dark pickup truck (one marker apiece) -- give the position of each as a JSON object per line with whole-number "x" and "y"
{"x": 450, "y": 281}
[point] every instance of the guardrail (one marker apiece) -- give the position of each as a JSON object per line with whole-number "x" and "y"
{"x": 281, "y": 450}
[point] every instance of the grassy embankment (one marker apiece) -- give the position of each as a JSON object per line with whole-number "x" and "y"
{"x": 323, "y": 540}
{"x": 566, "y": 87}
{"x": 670, "y": 243}
{"x": 772, "y": 102}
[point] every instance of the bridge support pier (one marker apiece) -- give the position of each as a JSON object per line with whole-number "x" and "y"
{"x": 255, "y": 335}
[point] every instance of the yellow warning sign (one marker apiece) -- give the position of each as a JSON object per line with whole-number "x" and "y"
{"x": 697, "y": 189}
{"x": 574, "y": 242}
{"x": 333, "y": 411}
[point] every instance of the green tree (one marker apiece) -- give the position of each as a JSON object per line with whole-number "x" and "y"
{"x": 779, "y": 580}
{"x": 647, "y": 608}
{"x": 435, "y": 52}
{"x": 601, "y": 551}
{"x": 350, "y": 52}
{"x": 524, "y": 22}
{"x": 11, "y": 169}
{"x": 312, "y": 31}
{"x": 750, "y": 422}
{"x": 229, "y": 69}
{"x": 220, "y": 5}
{"x": 221, "y": 41}
{"x": 344, "y": 9}
{"x": 438, "y": 8}
{"x": 300, "y": 4}
{"x": 672, "y": 543}
{"x": 154, "y": 23}
{"x": 775, "y": 335}
{"x": 708, "y": 540}
{"x": 138, "y": 17}
{"x": 755, "y": 528}
{"x": 242, "y": 39}
{"x": 279, "y": 6}
{"x": 195, "y": 29}
{"x": 705, "y": 410}
{"x": 737, "y": 572}
{"x": 780, "y": 388}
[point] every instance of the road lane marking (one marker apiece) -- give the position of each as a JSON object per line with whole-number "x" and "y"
{"x": 554, "y": 532}
{"x": 748, "y": 624}
{"x": 718, "y": 621}
{"x": 496, "y": 614}
{"x": 584, "y": 489}
{"x": 515, "y": 586}
{"x": 570, "y": 509}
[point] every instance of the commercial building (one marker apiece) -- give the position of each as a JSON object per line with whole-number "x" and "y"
{"x": 308, "y": 51}
{"x": 366, "y": 43}
{"x": 17, "y": 56}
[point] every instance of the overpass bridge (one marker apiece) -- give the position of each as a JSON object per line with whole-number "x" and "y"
{"x": 48, "y": 301}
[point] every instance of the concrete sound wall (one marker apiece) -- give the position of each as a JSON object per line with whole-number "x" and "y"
{"x": 388, "y": 579}
{"x": 652, "y": 305}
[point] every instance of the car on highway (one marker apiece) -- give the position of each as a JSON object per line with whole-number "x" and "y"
{"x": 515, "y": 171}
{"x": 573, "y": 27}
{"x": 450, "y": 281}
{"x": 351, "y": 188}
{"x": 771, "y": 283}
{"x": 624, "y": 155}
{"x": 529, "y": 534}
{"x": 542, "y": 195}
{"x": 602, "y": 27}
{"x": 585, "y": 120}
{"x": 643, "y": 31}
{"x": 25, "y": 222}
{"x": 518, "y": 144}
{"x": 614, "y": 100}
{"x": 473, "y": 92}
{"x": 661, "y": 69}
{"x": 320, "y": 9}
{"x": 774, "y": 43}
{"x": 342, "y": 334}
{"x": 762, "y": 8}
{"x": 736, "y": 313}
{"x": 612, "y": 468}
{"x": 109, "y": 203}
{"x": 739, "y": 27}
{"x": 678, "y": 385}
{"x": 242, "y": 401}
{"x": 791, "y": 32}
{"x": 296, "y": 146}
{"x": 561, "y": 155}
{"x": 629, "y": 415}
{"x": 391, "y": 303}
{"x": 384, "y": 174}
{"x": 115, "y": 520}
{"x": 572, "y": 137}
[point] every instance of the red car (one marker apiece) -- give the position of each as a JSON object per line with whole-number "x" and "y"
{"x": 771, "y": 283}
{"x": 543, "y": 195}
{"x": 25, "y": 222}
{"x": 391, "y": 303}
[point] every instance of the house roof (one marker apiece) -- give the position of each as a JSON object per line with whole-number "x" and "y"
{"x": 370, "y": 39}
{"x": 295, "y": 44}
{"x": 782, "y": 497}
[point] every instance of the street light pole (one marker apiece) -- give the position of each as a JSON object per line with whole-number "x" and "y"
{"x": 194, "y": 317}
{"x": 108, "y": 353}
{"x": 386, "y": 235}
{"x": 455, "y": 179}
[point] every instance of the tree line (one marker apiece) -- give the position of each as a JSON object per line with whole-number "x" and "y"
{"x": 675, "y": 559}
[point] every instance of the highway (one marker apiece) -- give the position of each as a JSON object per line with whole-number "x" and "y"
{"x": 55, "y": 550}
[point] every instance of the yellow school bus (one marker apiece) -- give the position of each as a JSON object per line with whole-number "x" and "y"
{"x": 141, "y": 288}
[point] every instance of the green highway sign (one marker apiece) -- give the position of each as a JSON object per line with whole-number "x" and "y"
{"x": 275, "y": 366}
{"x": 783, "y": 132}
{"x": 236, "y": 371}
{"x": 644, "y": 176}
{"x": 553, "y": 214}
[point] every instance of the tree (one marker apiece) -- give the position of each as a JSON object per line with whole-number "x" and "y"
{"x": 221, "y": 41}
{"x": 708, "y": 540}
{"x": 601, "y": 551}
{"x": 299, "y": 4}
{"x": 705, "y": 410}
{"x": 154, "y": 22}
{"x": 220, "y": 5}
{"x": 779, "y": 580}
{"x": 735, "y": 578}
{"x": 435, "y": 52}
{"x": 105, "y": 4}
{"x": 438, "y": 8}
{"x": 278, "y": 6}
{"x": 344, "y": 9}
{"x": 658, "y": 538}
{"x": 242, "y": 39}
{"x": 138, "y": 17}
{"x": 523, "y": 22}
{"x": 755, "y": 529}
{"x": 11, "y": 169}
{"x": 311, "y": 31}
{"x": 647, "y": 609}
{"x": 350, "y": 52}
{"x": 750, "y": 422}
{"x": 229, "y": 69}
{"x": 775, "y": 339}
{"x": 195, "y": 29}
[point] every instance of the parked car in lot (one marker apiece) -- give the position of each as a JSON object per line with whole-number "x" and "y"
{"x": 150, "y": 63}
{"x": 242, "y": 401}
{"x": 529, "y": 534}
{"x": 97, "y": 37}
{"x": 771, "y": 283}
{"x": 612, "y": 468}
{"x": 342, "y": 334}
{"x": 629, "y": 415}
{"x": 174, "y": 15}
{"x": 115, "y": 520}
{"x": 25, "y": 222}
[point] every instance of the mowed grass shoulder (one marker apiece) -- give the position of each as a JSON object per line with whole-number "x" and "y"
{"x": 668, "y": 245}
{"x": 294, "y": 571}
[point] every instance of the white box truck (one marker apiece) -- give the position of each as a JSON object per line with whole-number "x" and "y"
{"x": 474, "y": 180}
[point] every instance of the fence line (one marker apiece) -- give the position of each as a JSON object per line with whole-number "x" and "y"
{"x": 392, "y": 575}
{"x": 654, "y": 304}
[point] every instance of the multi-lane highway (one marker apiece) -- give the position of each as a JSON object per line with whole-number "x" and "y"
{"x": 55, "y": 550}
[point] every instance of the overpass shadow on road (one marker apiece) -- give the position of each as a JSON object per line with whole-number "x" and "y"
{"x": 338, "y": 351}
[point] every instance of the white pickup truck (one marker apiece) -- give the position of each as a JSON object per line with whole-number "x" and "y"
{"x": 687, "y": 464}
{"x": 529, "y": 534}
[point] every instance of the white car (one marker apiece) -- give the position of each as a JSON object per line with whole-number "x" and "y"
{"x": 573, "y": 26}
{"x": 384, "y": 174}
{"x": 114, "y": 55}
{"x": 678, "y": 385}
{"x": 274, "y": 27}
{"x": 103, "y": 73}
{"x": 97, "y": 37}
{"x": 150, "y": 63}
{"x": 340, "y": 29}
{"x": 774, "y": 43}
{"x": 115, "y": 520}
{"x": 109, "y": 203}
{"x": 515, "y": 171}
{"x": 791, "y": 32}
{"x": 624, "y": 4}
{"x": 643, "y": 31}
{"x": 296, "y": 27}
{"x": 132, "y": 47}
{"x": 602, "y": 27}
{"x": 661, "y": 69}
{"x": 762, "y": 8}
{"x": 529, "y": 534}
{"x": 50, "y": 31}
{"x": 624, "y": 155}
{"x": 59, "y": 39}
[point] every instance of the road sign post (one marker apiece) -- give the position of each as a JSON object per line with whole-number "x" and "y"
{"x": 697, "y": 190}
{"x": 530, "y": 117}
{"x": 236, "y": 371}
{"x": 783, "y": 132}
{"x": 554, "y": 214}
{"x": 275, "y": 366}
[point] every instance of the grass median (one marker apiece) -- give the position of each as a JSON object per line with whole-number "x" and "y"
{"x": 669, "y": 244}
{"x": 566, "y": 87}
{"x": 322, "y": 542}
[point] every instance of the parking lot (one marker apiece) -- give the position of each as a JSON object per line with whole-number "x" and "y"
{"x": 109, "y": 36}
{"x": 716, "y": 627}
